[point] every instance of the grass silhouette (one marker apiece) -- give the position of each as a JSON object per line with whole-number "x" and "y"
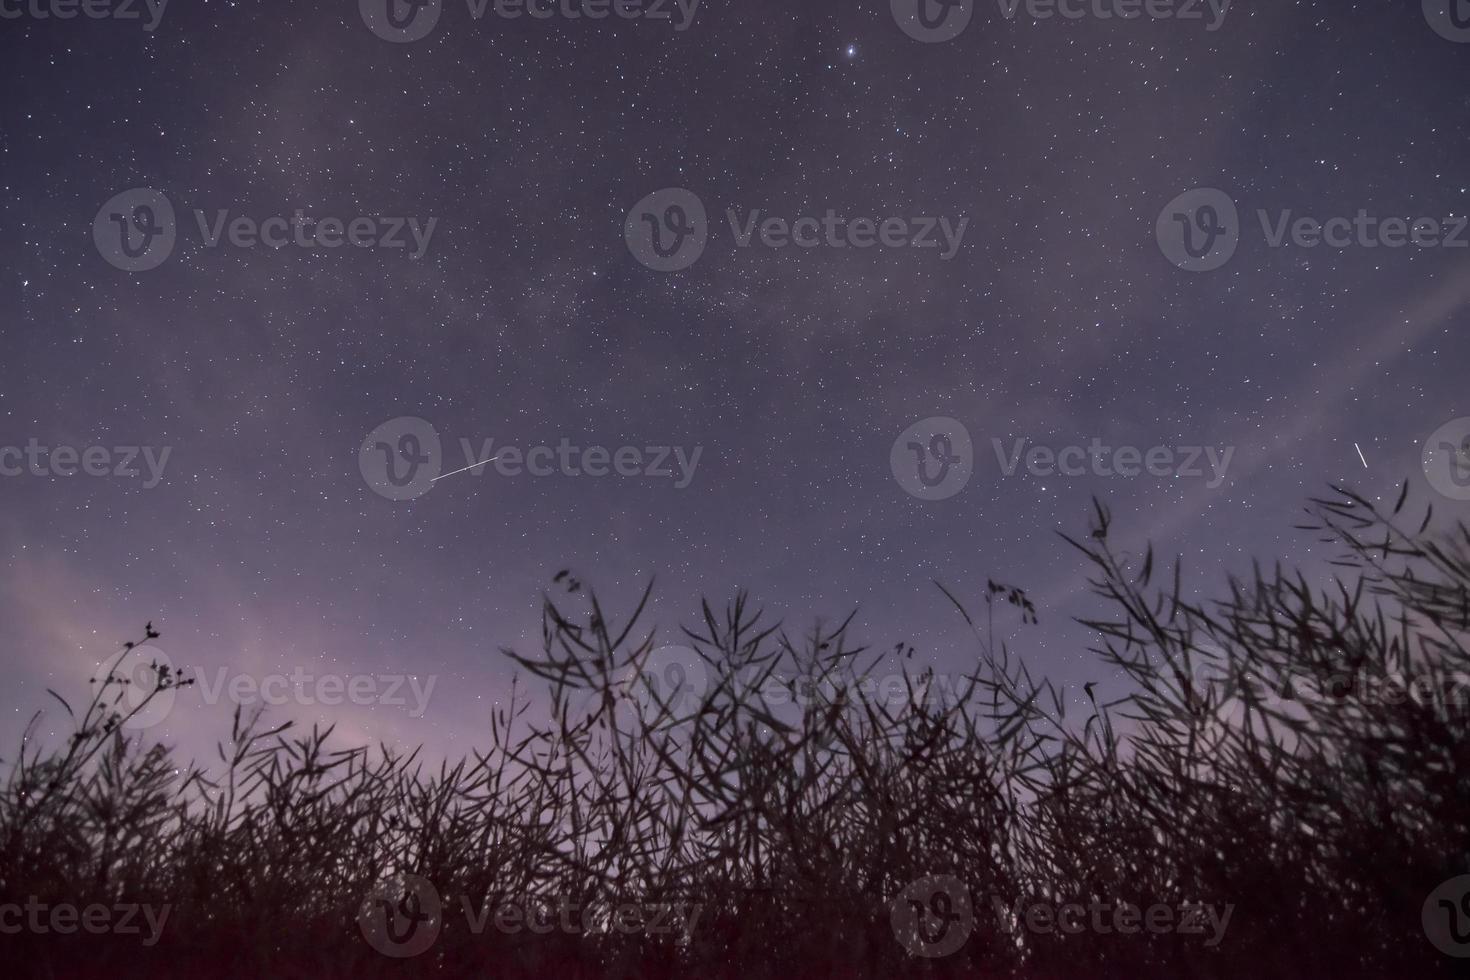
{"x": 1297, "y": 755}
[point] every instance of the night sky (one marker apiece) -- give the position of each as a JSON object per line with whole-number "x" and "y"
{"x": 531, "y": 318}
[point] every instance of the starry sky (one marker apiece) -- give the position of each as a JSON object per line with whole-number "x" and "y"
{"x": 528, "y": 320}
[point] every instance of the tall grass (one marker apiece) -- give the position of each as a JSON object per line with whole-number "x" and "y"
{"x": 1238, "y": 769}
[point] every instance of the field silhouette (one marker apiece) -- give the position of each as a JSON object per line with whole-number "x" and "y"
{"x": 1279, "y": 793}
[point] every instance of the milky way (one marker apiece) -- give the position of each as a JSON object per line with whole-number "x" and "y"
{"x": 343, "y": 230}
